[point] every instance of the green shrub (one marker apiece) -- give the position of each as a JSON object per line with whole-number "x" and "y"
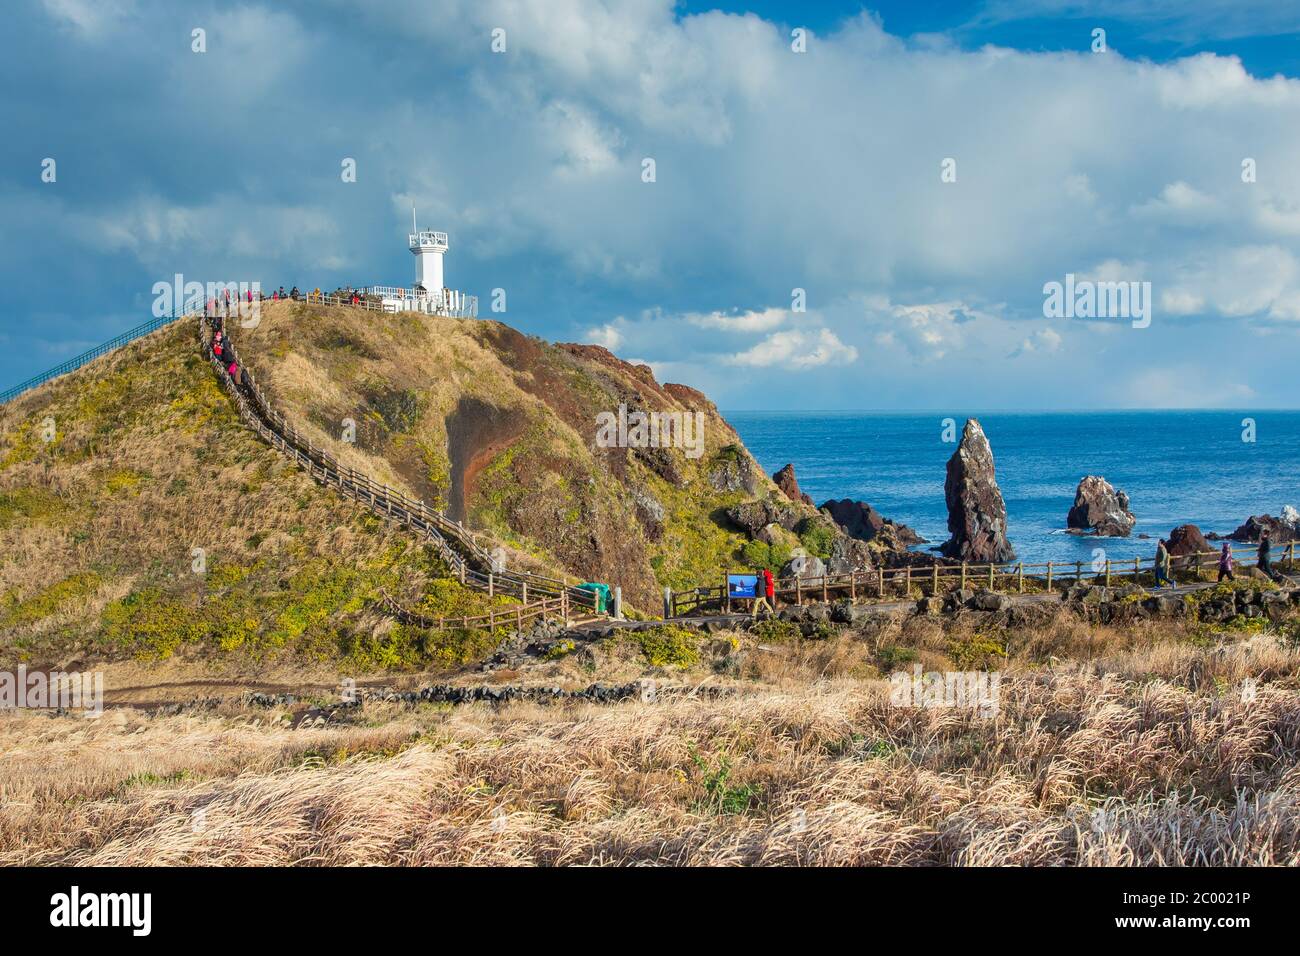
{"x": 775, "y": 631}
{"x": 759, "y": 555}
{"x": 892, "y": 657}
{"x": 668, "y": 646}
{"x": 719, "y": 795}
{"x": 817, "y": 540}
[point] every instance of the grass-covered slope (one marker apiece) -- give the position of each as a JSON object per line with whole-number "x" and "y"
{"x": 500, "y": 429}
{"x": 146, "y": 461}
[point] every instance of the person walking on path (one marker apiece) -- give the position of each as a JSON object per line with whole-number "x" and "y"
{"x": 1162, "y": 564}
{"x": 1225, "y": 563}
{"x": 769, "y": 587}
{"x": 1264, "y": 560}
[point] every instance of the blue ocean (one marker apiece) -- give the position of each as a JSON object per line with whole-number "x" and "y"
{"x": 1177, "y": 467}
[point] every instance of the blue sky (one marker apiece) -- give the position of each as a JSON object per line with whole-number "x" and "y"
{"x": 775, "y": 171}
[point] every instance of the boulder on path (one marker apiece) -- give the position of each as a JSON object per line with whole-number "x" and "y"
{"x": 977, "y": 515}
{"x": 789, "y": 485}
{"x": 804, "y": 566}
{"x": 1100, "y": 509}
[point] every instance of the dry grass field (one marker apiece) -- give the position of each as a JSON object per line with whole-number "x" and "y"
{"x": 1144, "y": 751}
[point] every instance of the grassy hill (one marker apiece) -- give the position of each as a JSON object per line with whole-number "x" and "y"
{"x": 499, "y": 429}
{"x": 140, "y": 517}
{"x": 146, "y": 461}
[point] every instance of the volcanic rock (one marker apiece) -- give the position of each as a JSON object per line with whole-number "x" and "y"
{"x": 1186, "y": 540}
{"x": 860, "y": 520}
{"x": 789, "y": 485}
{"x": 804, "y": 566}
{"x": 977, "y": 515}
{"x": 753, "y": 516}
{"x": 1280, "y": 531}
{"x": 1101, "y": 509}
{"x": 849, "y": 554}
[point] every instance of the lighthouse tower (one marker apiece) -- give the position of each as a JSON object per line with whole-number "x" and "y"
{"x": 430, "y": 294}
{"x": 428, "y": 247}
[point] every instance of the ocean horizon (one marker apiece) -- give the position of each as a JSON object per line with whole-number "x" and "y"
{"x": 1177, "y": 467}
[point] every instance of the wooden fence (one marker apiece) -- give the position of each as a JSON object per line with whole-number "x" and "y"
{"x": 883, "y": 583}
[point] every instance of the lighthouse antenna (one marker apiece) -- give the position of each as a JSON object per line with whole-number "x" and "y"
{"x": 414, "y": 228}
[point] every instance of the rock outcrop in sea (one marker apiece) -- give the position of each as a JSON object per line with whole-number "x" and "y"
{"x": 1280, "y": 530}
{"x": 1185, "y": 541}
{"x": 977, "y": 515}
{"x": 789, "y": 485}
{"x": 1100, "y": 509}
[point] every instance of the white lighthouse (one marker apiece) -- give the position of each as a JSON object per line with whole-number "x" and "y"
{"x": 428, "y": 247}
{"x": 430, "y": 293}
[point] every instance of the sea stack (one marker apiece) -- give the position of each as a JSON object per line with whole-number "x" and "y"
{"x": 1099, "y": 509}
{"x": 789, "y": 485}
{"x": 977, "y": 515}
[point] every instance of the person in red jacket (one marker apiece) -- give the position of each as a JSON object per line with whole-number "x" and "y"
{"x": 769, "y": 587}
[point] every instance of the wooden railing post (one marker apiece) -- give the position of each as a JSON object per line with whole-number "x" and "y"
{"x": 991, "y": 567}
{"x": 1020, "y": 577}
{"x": 963, "y": 576}
{"x": 935, "y": 587}
{"x": 1049, "y": 577}
{"x": 1108, "y": 572}
{"x": 881, "y": 586}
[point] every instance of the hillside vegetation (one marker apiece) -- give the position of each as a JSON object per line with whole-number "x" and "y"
{"x": 499, "y": 429}
{"x": 139, "y": 517}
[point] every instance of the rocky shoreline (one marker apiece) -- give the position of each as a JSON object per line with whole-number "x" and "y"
{"x": 977, "y": 520}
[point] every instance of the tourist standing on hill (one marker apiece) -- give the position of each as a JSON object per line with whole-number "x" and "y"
{"x": 1225, "y": 563}
{"x": 1162, "y": 564}
{"x": 769, "y": 587}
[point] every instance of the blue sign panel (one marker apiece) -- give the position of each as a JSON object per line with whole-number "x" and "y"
{"x": 742, "y": 585}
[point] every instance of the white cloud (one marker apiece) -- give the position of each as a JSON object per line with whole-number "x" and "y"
{"x": 797, "y": 350}
{"x": 750, "y": 321}
{"x": 607, "y": 335}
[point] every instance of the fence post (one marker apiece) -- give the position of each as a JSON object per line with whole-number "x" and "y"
{"x": 881, "y": 582}
{"x": 935, "y": 587}
{"x": 668, "y": 602}
{"x": 907, "y": 581}
{"x": 491, "y": 584}
{"x": 1049, "y": 577}
{"x": 564, "y": 607}
{"x": 1020, "y": 577}
{"x": 1078, "y": 571}
{"x": 726, "y": 593}
{"x": 963, "y": 576}
{"x": 991, "y": 568}
{"x": 1108, "y": 572}
{"x": 524, "y": 586}
{"x": 618, "y": 602}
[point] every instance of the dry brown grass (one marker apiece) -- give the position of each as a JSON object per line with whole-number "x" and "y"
{"x": 1085, "y": 764}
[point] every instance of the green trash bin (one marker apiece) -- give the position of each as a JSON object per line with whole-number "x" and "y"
{"x": 602, "y": 594}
